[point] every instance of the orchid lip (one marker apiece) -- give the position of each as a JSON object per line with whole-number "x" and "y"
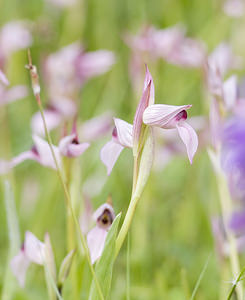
{"x": 182, "y": 115}
{"x": 105, "y": 219}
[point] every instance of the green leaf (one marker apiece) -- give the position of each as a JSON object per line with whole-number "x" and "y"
{"x": 9, "y": 282}
{"x": 65, "y": 267}
{"x": 104, "y": 266}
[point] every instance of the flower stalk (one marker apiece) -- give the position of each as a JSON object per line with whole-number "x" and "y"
{"x": 36, "y": 90}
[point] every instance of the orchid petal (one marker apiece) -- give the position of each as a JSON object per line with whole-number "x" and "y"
{"x": 34, "y": 249}
{"x": 45, "y": 156}
{"x": 162, "y": 115}
{"x": 146, "y": 99}
{"x": 189, "y": 138}
{"x": 124, "y": 133}
{"x": 19, "y": 265}
{"x": 75, "y": 150}
{"x": 109, "y": 154}
{"x": 96, "y": 241}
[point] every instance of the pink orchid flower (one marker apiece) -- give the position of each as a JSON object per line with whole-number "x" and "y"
{"x": 124, "y": 134}
{"x": 40, "y": 153}
{"x": 96, "y": 237}
{"x": 169, "y": 117}
{"x": 32, "y": 251}
{"x": 69, "y": 145}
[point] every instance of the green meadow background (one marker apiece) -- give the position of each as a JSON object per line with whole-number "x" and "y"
{"x": 171, "y": 238}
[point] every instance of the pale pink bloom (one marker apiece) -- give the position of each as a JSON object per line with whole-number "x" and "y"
{"x": 58, "y": 111}
{"x": 40, "y": 153}
{"x": 12, "y": 94}
{"x": 96, "y": 237}
{"x": 124, "y": 134}
{"x": 91, "y": 64}
{"x": 32, "y": 251}
{"x": 14, "y": 36}
{"x": 69, "y": 146}
{"x": 96, "y": 127}
{"x": 170, "y": 44}
{"x": 171, "y": 116}
{"x": 68, "y": 68}
{"x": 3, "y": 78}
{"x": 234, "y": 8}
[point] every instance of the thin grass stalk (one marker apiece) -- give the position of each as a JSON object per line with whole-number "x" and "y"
{"x": 67, "y": 195}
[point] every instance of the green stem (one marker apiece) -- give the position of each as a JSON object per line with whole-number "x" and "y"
{"x": 34, "y": 78}
{"x": 130, "y": 212}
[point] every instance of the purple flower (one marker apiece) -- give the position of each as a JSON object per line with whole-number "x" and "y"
{"x": 96, "y": 237}
{"x": 233, "y": 158}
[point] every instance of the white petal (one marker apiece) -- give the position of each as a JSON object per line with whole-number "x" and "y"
{"x": 189, "y": 137}
{"x": 124, "y": 133}
{"x": 161, "y": 115}
{"x": 34, "y": 249}
{"x": 109, "y": 154}
{"x": 19, "y": 265}
{"x": 96, "y": 241}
